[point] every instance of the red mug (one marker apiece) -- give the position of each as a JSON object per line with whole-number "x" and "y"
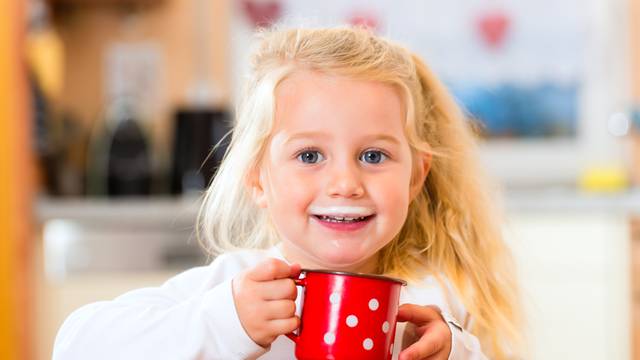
{"x": 346, "y": 315}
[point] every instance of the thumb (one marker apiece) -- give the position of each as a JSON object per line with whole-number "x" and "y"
{"x": 296, "y": 269}
{"x": 272, "y": 269}
{"x": 417, "y": 314}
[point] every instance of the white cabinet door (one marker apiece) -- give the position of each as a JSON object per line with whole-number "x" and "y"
{"x": 575, "y": 278}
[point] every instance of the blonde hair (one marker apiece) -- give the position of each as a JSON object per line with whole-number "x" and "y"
{"x": 452, "y": 230}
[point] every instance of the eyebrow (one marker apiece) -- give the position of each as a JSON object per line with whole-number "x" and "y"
{"x": 318, "y": 134}
{"x": 305, "y": 135}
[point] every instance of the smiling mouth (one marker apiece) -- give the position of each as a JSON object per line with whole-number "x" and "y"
{"x": 342, "y": 220}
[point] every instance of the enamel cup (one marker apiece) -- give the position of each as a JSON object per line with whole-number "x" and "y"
{"x": 346, "y": 315}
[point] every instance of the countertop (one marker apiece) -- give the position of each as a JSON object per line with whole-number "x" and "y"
{"x": 184, "y": 210}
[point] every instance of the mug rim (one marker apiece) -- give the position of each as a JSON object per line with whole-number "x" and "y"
{"x": 363, "y": 275}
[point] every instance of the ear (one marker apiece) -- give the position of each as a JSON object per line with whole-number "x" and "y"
{"x": 255, "y": 182}
{"x": 423, "y": 164}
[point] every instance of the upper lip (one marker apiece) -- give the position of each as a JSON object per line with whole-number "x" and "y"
{"x": 342, "y": 211}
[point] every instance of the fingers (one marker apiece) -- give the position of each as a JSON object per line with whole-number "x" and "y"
{"x": 433, "y": 344}
{"x": 267, "y": 331}
{"x": 284, "y": 326}
{"x": 432, "y": 333}
{"x": 430, "y": 349}
{"x": 272, "y": 269}
{"x": 280, "y": 309}
{"x": 417, "y": 314}
{"x": 264, "y": 298}
{"x": 273, "y": 278}
{"x": 429, "y": 326}
{"x": 281, "y": 289}
{"x": 419, "y": 350}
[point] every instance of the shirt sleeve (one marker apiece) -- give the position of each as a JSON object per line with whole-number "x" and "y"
{"x": 158, "y": 323}
{"x": 464, "y": 346}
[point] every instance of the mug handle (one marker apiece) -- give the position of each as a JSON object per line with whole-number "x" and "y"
{"x": 291, "y": 335}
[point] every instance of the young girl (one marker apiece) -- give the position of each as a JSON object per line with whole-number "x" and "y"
{"x": 347, "y": 154}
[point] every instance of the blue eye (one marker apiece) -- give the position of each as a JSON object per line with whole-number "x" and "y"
{"x": 310, "y": 157}
{"x": 373, "y": 156}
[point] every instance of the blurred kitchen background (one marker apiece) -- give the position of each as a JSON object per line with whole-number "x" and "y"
{"x": 109, "y": 110}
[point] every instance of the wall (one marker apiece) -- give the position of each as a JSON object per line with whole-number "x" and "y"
{"x": 88, "y": 31}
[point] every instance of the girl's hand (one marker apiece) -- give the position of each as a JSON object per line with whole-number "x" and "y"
{"x": 427, "y": 335}
{"x": 264, "y": 297}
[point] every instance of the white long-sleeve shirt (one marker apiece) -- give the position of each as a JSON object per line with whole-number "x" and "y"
{"x": 193, "y": 316}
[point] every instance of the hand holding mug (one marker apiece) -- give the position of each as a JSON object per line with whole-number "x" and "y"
{"x": 427, "y": 336}
{"x": 264, "y": 297}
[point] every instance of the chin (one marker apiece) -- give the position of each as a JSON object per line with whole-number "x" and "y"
{"x": 342, "y": 260}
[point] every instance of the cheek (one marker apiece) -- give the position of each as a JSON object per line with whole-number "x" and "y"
{"x": 395, "y": 186}
{"x": 392, "y": 197}
{"x": 395, "y": 202}
{"x": 396, "y": 208}
{"x": 289, "y": 198}
{"x": 290, "y": 192}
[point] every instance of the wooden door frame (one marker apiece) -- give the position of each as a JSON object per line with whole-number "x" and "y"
{"x": 16, "y": 187}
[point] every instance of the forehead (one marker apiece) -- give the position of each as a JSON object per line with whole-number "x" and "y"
{"x": 309, "y": 100}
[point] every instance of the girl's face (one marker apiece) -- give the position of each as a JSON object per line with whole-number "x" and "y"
{"x": 336, "y": 176}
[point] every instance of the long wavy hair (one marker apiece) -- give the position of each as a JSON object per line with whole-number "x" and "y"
{"x": 452, "y": 230}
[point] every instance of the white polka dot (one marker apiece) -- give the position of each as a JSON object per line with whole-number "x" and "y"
{"x": 385, "y": 327}
{"x": 329, "y": 338}
{"x": 367, "y": 344}
{"x": 334, "y": 298}
{"x": 391, "y": 349}
{"x": 352, "y": 320}
{"x": 373, "y": 304}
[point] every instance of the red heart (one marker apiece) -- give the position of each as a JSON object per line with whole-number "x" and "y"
{"x": 493, "y": 28}
{"x": 363, "y": 19}
{"x": 262, "y": 13}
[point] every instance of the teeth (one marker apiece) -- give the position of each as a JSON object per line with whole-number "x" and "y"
{"x": 340, "y": 218}
{"x": 352, "y": 211}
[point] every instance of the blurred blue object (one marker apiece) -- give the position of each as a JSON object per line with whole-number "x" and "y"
{"x": 635, "y": 116}
{"x": 512, "y": 110}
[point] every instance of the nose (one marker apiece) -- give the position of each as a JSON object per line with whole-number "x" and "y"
{"x": 345, "y": 181}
